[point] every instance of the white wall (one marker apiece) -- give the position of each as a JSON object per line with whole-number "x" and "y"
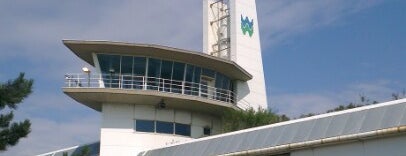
{"x": 246, "y": 52}
{"x": 118, "y": 136}
{"x": 391, "y": 146}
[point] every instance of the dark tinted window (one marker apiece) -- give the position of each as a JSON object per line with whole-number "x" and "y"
{"x": 164, "y": 127}
{"x": 139, "y": 66}
{"x": 208, "y": 72}
{"x": 182, "y": 129}
{"x": 109, "y": 63}
{"x": 154, "y": 72}
{"x": 127, "y": 65}
{"x": 154, "y": 67}
{"x": 144, "y": 126}
{"x": 110, "y": 68}
{"x": 178, "y": 71}
{"x": 206, "y": 131}
{"x": 166, "y": 71}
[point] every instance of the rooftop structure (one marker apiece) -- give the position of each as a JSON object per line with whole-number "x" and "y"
{"x": 156, "y": 100}
{"x": 152, "y": 95}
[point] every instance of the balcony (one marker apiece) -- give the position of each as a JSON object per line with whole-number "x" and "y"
{"x": 140, "y": 83}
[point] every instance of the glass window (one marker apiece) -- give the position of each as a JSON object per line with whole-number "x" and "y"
{"x": 127, "y": 71}
{"x": 110, "y": 68}
{"x": 189, "y": 73}
{"x": 109, "y": 63}
{"x": 189, "y": 79}
{"x": 139, "y": 66}
{"x": 166, "y": 74}
{"x": 178, "y": 71}
{"x": 206, "y": 131}
{"x": 182, "y": 129}
{"x": 164, "y": 127}
{"x": 154, "y": 72}
{"x": 139, "y": 72}
{"x": 166, "y": 71}
{"x": 177, "y": 75}
{"x": 226, "y": 83}
{"x": 144, "y": 126}
{"x": 219, "y": 80}
{"x": 208, "y": 72}
{"x": 196, "y": 80}
{"x": 126, "y": 65}
{"x": 154, "y": 67}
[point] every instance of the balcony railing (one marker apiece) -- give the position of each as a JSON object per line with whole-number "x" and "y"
{"x": 148, "y": 83}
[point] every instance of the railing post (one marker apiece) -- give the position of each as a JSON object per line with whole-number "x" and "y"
{"x": 200, "y": 92}
{"x": 144, "y": 84}
{"x": 228, "y": 96}
{"x": 183, "y": 87}
{"x": 120, "y": 82}
{"x": 163, "y": 85}
{"x": 79, "y": 83}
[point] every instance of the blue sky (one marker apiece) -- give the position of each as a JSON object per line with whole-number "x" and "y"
{"x": 317, "y": 53}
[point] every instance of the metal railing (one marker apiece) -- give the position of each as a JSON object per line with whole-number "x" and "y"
{"x": 148, "y": 83}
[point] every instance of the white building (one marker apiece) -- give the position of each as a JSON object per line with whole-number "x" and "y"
{"x": 158, "y": 100}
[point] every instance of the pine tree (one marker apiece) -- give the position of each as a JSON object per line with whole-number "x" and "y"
{"x": 12, "y": 93}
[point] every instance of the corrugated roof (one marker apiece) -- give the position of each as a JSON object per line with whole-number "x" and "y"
{"x": 349, "y": 122}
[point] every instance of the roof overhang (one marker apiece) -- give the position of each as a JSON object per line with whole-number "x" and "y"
{"x": 84, "y": 50}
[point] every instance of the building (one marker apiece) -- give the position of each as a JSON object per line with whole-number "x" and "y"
{"x": 158, "y": 100}
{"x": 151, "y": 95}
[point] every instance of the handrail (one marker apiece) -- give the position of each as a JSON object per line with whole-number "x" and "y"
{"x": 148, "y": 83}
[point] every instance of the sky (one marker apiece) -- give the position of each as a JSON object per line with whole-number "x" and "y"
{"x": 317, "y": 54}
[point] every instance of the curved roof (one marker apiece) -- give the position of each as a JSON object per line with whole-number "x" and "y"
{"x": 84, "y": 50}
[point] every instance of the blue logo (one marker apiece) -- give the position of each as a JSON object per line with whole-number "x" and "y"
{"x": 247, "y": 26}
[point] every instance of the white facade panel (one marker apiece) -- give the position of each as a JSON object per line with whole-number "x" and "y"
{"x": 246, "y": 52}
{"x": 302, "y": 153}
{"x": 117, "y": 116}
{"x": 349, "y": 149}
{"x": 183, "y": 117}
{"x": 144, "y": 112}
{"x": 165, "y": 115}
{"x": 393, "y": 146}
{"x": 197, "y": 131}
{"x": 118, "y": 136}
{"x": 245, "y": 47}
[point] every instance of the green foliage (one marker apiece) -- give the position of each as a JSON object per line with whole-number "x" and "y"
{"x": 12, "y": 93}
{"x": 363, "y": 102}
{"x": 234, "y": 120}
{"x": 85, "y": 151}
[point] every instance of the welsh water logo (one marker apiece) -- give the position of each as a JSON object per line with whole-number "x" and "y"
{"x": 247, "y": 26}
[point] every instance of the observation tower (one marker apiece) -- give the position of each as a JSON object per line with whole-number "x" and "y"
{"x": 152, "y": 95}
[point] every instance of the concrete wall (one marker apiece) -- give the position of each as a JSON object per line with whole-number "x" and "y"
{"x": 391, "y": 146}
{"x": 245, "y": 49}
{"x": 118, "y": 136}
{"x": 246, "y": 52}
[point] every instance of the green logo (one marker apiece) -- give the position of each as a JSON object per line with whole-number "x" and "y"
{"x": 247, "y": 26}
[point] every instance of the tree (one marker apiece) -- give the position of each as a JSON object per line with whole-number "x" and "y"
{"x": 85, "y": 151}
{"x": 234, "y": 120}
{"x": 12, "y": 93}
